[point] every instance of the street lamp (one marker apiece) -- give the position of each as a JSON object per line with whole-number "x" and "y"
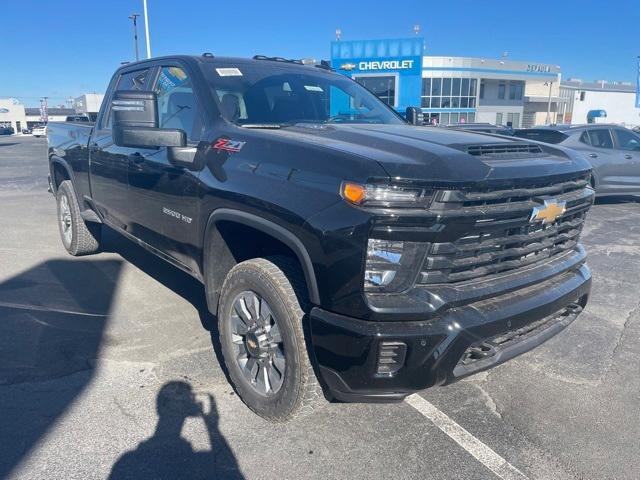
{"x": 416, "y": 29}
{"x": 338, "y": 34}
{"x": 146, "y": 28}
{"x": 548, "y": 121}
{"x": 134, "y": 17}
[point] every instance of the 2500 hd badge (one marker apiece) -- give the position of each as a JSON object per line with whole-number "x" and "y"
{"x": 178, "y": 215}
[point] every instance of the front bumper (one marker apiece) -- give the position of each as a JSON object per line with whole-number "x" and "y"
{"x": 448, "y": 347}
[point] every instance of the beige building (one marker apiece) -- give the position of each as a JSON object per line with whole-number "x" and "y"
{"x": 541, "y": 102}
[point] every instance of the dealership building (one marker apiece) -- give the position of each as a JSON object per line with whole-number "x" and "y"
{"x": 451, "y": 89}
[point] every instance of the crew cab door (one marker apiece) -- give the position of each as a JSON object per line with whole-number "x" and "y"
{"x": 109, "y": 163}
{"x": 604, "y": 159}
{"x": 627, "y": 145}
{"x": 164, "y": 197}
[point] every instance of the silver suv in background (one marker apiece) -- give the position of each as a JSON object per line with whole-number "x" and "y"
{"x": 613, "y": 151}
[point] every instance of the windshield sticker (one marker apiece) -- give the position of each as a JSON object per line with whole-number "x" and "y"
{"x": 313, "y": 88}
{"x": 228, "y": 145}
{"x": 229, "y": 72}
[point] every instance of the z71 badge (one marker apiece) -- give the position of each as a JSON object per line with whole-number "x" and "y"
{"x": 228, "y": 145}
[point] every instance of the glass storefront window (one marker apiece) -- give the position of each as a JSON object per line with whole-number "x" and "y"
{"x": 446, "y": 87}
{"x": 436, "y": 84}
{"x": 426, "y": 87}
{"x": 472, "y": 87}
{"x": 449, "y": 92}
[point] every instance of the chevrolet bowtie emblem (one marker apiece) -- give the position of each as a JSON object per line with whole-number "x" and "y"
{"x": 348, "y": 66}
{"x": 549, "y": 212}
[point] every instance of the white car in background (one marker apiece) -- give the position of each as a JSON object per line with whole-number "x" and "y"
{"x": 39, "y": 131}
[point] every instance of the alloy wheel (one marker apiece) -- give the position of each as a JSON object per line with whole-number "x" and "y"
{"x": 256, "y": 338}
{"x": 66, "y": 226}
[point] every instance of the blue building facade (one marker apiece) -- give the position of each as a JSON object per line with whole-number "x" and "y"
{"x": 450, "y": 89}
{"x": 391, "y": 68}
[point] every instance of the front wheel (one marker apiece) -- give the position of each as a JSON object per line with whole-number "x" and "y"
{"x": 261, "y": 332}
{"x": 78, "y": 237}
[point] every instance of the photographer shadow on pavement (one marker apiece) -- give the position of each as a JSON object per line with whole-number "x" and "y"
{"x": 167, "y": 455}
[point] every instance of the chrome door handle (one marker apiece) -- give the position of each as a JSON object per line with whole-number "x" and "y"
{"x": 593, "y": 155}
{"x": 628, "y": 157}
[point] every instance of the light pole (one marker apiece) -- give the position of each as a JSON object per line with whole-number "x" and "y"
{"x": 548, "y": 121}
{"x": 134, "y": 17}
{"x": 146, "y": 28}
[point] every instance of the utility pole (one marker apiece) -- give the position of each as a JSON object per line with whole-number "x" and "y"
{"x": 146, "y": 28}
{"x": 134, "y": 18}
{"x": 44, "y": 114}
{"x": 548, "y": 122}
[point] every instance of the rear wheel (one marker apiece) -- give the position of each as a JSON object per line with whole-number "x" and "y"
{"x": 261, "y": 332}
{"x": 78, "y": 237}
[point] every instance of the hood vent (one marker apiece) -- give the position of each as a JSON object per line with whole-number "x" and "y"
{"x": 500, "y": 149}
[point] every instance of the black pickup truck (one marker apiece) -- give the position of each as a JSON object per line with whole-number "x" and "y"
{"x": 346, "y": 254}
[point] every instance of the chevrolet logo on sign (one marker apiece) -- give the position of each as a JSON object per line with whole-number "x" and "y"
{"x": 348, "y": 66}
{"x": 549, "y": 212}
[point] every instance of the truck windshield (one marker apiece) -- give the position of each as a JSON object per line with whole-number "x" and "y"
{"x": 275, "y": 96}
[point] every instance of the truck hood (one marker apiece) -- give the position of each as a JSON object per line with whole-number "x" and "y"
{"x": 440, "y": 155}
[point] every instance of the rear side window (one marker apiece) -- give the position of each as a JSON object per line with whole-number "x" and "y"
{"x": 133, "y": 80}
{"x": 627, "y": 140}
{"x": 584, "y": 138}
{"x": 600, "y": 137}
{"x": 546, "y": 136}
{"x": 128, "y": 81}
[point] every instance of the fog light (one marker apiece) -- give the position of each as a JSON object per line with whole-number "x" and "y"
{"x": 391, "y": 357}
{"x": 383, "y": 257}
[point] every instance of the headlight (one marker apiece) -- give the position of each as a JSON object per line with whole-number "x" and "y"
{"x": 391, "y": 265}
{"x": 371, "y": 195}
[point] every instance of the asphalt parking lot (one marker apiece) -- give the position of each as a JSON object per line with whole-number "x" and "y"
{"x": 99, "y": 355}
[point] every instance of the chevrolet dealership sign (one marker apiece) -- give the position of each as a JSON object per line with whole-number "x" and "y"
{"x": 401, "y": 65}
{"x": 386, "y": 65}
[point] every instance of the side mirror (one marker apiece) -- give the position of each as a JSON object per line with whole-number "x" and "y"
{"x": 415, "y": 116}
{"x": 135, "y": 122}
{"x": 134, "y": 108}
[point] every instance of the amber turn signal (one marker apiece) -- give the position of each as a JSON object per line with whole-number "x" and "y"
{"x": 353, "y": 192}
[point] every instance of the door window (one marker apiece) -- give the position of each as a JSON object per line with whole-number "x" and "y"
{"x": 627, "y": 140}
{"x": 177, "y": 103}
{"x": 601, "y": 138}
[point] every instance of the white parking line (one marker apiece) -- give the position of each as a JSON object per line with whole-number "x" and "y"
{"x": 471, "y": 444}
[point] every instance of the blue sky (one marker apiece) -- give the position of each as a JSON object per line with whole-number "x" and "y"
{"x": 68, "y": 47}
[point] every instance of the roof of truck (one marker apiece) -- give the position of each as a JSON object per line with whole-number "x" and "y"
{"x": 256, "y": 59}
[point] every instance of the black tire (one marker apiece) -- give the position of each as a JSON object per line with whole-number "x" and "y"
{"x": 280, "y": 282}
{"x": 79, "y": 238}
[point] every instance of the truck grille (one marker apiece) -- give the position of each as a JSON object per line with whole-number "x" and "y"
{"x": 497, "y": 235}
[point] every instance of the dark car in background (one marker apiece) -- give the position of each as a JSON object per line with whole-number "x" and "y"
{"x": 481, "y": 128}
{"x": 612, "y": 150}
{"x": 6, "y": 131}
